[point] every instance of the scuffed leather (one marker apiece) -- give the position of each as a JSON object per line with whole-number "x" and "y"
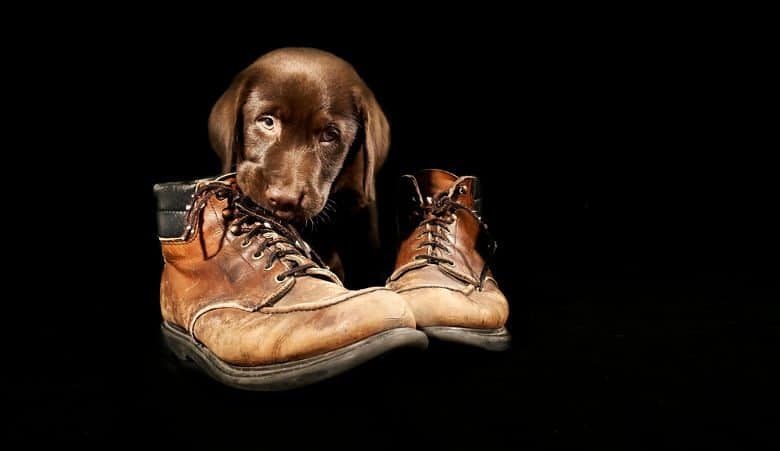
{"x": 442, "y": 294}
{"x": 213, "y": 287}
{"x": 438, "y": 299}
{"x": 275, "y": 335}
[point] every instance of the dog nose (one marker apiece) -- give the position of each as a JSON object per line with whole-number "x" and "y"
{"x": 283, "y": 201}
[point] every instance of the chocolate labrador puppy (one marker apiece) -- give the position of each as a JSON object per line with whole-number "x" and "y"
{"x": 299, "y": 126}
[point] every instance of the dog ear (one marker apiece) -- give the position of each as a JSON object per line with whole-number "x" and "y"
{"x": 373, "y": 142}
{"x": 225, "y": 124}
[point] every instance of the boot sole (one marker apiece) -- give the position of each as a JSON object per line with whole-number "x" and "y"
{"x": 490, "y": 339}
{"x": 288, "y": 375}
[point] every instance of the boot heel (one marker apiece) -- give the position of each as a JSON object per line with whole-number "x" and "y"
{"x": 174, "y": 344}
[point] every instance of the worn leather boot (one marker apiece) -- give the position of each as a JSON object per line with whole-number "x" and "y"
{"x": 440, "y": 269}
{"x": 246, "y": 299}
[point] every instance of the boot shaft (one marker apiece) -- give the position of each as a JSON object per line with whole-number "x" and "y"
{"x": 415, "y": 192}
{"x": 439, "y": 224}
{"x": 220, "y": 250}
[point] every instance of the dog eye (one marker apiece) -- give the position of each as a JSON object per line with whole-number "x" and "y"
{"x": 267, "y": 122}
{"x": 330, "y": 134}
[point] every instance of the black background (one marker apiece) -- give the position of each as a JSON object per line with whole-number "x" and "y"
{"x": 623, "y": 177}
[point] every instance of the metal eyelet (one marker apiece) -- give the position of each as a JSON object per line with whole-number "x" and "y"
{"x": 278, "y": 280}
{"x": 268, "y": 268}
{"x": 257, "y": 256}
{"x": 462, "y": 189}
{"x": 246, "y": 243}
{"x": 450, "y": 263}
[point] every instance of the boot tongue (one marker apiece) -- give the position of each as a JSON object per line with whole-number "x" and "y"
{"x": 434, "y": 182}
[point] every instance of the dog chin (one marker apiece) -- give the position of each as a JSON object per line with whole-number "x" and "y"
{"x": 301, "y": 217}
{"x": 297, "y": 217}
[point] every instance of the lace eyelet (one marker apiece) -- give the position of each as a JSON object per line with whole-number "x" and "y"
{"x": 257, "y": 256}
{"x": 246, "y": 243}
{"x": 278, "y": 279}
{"x": 450, "y": 264}
{"x": 268, "y": 268}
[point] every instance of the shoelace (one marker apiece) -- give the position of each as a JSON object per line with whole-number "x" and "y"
{"x": 440, "y": 214}
{"x": 281, "y": 241}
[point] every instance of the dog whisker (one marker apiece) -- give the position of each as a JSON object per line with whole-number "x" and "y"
{"x": 322, "y": 218}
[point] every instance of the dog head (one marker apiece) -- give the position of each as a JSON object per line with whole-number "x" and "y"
{"x": 297, "y": 125}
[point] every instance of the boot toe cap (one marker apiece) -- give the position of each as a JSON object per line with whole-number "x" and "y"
{"x": 300, "y": 331}
{"x": 445, "y": 307}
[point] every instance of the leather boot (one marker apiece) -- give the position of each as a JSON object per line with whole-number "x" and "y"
{"x": 440, "y": 270}
{"x": 246, "y": 299}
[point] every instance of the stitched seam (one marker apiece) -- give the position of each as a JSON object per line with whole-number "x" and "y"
{"x": 265, "y": 312}
{"x": 237, "y": 305}
{"x": 406, "y": 268}
{"x": 458, "y": 275}
{"x": 401, "y": 290}
{"x": 262, "y": 309}
{"x": 232, "y": 305}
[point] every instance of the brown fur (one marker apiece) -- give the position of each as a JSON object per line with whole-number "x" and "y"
{"x": 274, "y": 124}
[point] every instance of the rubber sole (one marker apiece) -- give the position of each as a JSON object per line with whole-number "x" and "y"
{"x": 490, "y": 339}
{"x": 289, "y": 375}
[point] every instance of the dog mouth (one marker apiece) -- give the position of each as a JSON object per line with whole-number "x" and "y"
{"x": 298, "y": 207}
{"x": 288, "y": 215}
{"x": 298, "y": 216}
